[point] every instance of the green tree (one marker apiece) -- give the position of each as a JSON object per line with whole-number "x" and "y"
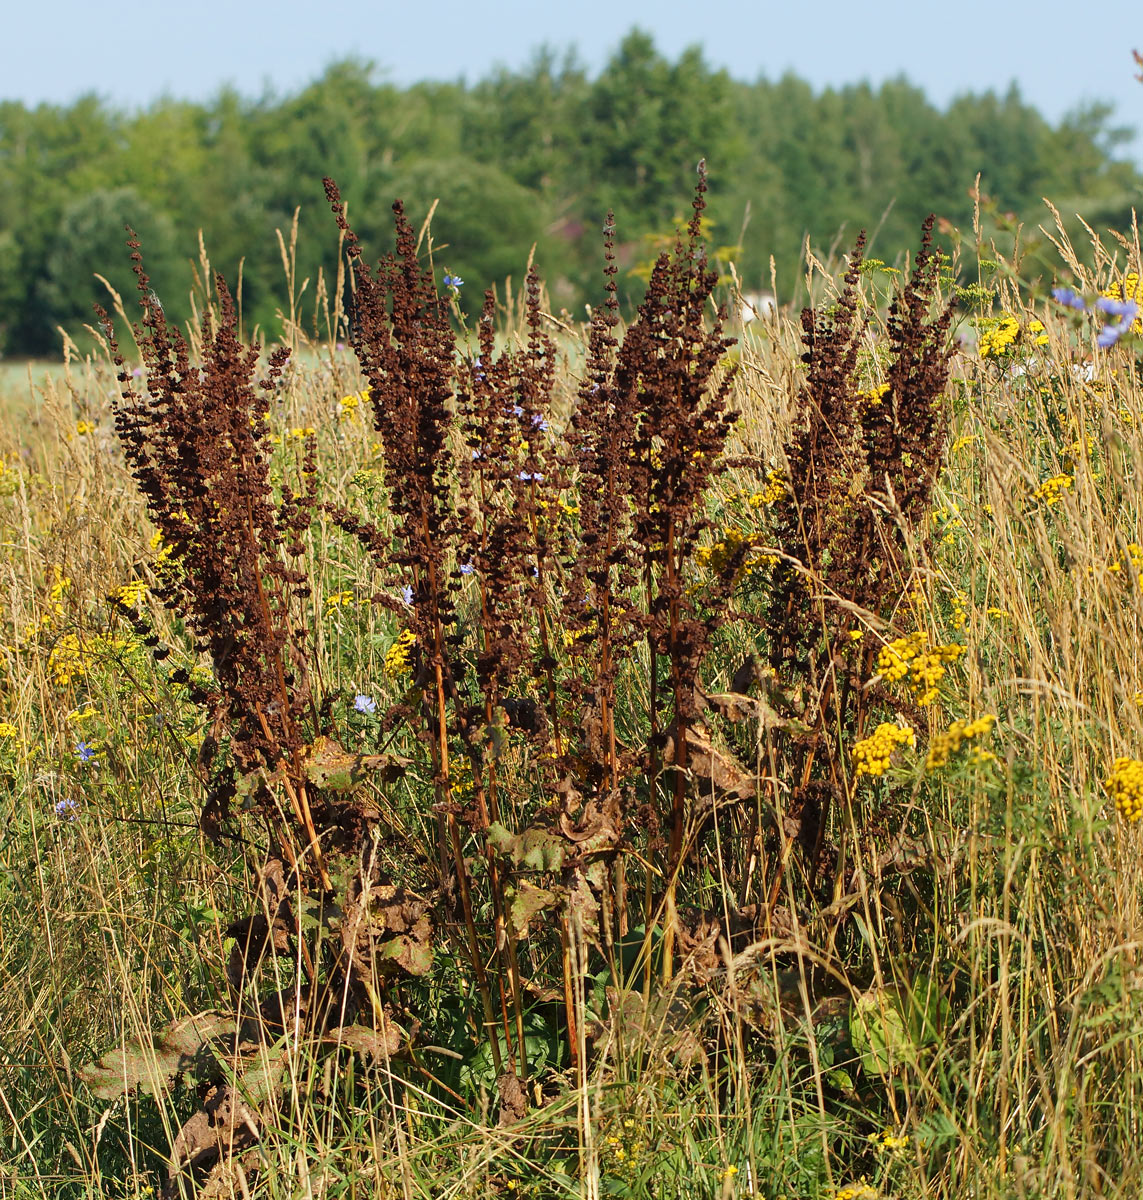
{"x": 91, "y": 239}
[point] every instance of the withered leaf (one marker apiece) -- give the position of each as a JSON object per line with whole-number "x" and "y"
{"x": 389, "y": 928}
{"x": 228, "y": 1123}
{"x": 525, "y": 902}
{"x": 253, "y": 937}
{"x": 152, "y": 1064}
{"x": 582, "y": 906}
{"x": 513, "y": 1099}
{"x": 376, "y": 1045}
{"x": 597, "y": 828}
{"x": 709, "y": 766}
{"x": 535, "y": 849}
{"x": 329, "y": 766}
{"x": 412, "y": 952}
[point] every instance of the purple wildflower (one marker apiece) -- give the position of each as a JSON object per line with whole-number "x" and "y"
{"x": 1069, "y": 299}
{"x": 84, "y": 752}
{"x": 364, "y": 704}
{"x": 1117, "y": 308}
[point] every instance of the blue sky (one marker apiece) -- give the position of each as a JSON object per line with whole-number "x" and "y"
{"x": 131, "y": 52}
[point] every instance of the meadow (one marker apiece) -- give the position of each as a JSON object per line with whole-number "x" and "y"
{"x": 547, "y": 758}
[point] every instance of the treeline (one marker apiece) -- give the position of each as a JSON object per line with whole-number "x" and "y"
{"x": 534, "y": 156}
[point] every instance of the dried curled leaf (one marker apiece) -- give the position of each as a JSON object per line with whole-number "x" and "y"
{"x": 597, "y": 828}
{"x": 709, "y": 766}
{"x": 152, "y": 1064}
{"x": 388, "y": 929}
{"x": 212, "y": 1146}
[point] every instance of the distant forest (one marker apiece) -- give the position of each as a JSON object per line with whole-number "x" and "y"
{"x": 526, "y": 157}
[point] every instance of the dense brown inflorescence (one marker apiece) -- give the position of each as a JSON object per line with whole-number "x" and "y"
{"x": 197, "y": 440}
{"x": 860, "y": 470}
{"x": 559, "y": 626}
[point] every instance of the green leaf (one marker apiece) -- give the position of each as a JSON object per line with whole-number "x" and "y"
{"x": 330, "y": 767}
{"x": 534, "y": 849}
{"x": 879, "y": 1032}
{"x": 524, "y": 904}
{"x": 151, "y": 1065}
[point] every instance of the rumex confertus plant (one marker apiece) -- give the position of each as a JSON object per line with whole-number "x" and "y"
{"x": 196, "y": 436}
{"x": 197, "y": 441}
{"x": 860, "y": 470}
{"x": 559, "y": 630}
{"x": 576, "y": 538}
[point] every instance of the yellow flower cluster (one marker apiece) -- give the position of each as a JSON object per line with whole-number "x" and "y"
{"x": 397, "y": 656}
{"x": 857, "y": 1191}
{"x": 71, "y": 660}
{"x": 1125, "y": 786}
{"x": 733, "y": 540}
{"x": 53, "y": 608}
{"x": 1052, "y": 489}
{"x": 132, "y": 594}
{"x": 299, "y": 432}
{"x": 945, "y": 745}
{"x": 162, "y": 552}
{"x": 350, "y": 404}
{"x": 337, "y": 600}
{"x": 1131, "y": 289}
{"x": 588, "y": 631}
{"x": 921, "y": 667}
{"x": 776, "y": 487}
{"x": 1081, "y": 448}
{"x": 1135, "y": 554}
{"x": 623, "y": 1151}
{"x": 959, "y": 609}
{"x": 460, "y": 781}
{"x": 888, "y": 1140}
{"x": 998, "y": 336}
{"x": 872, "y": 754}
{"x": 83, "y": 428}
{"x": 874, "y": 395}
{"x": 8, "y": 732}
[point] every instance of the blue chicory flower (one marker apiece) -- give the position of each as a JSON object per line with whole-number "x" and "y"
{"x": 453, "y": 281}
{"x": 1069, "y": 298}
{"x": 84, "y": 752}
{"x": 1110, "y": 334}
{"x": 407, "y": 594}
{"x": 1126, "y": 309}
{"x": 466, "y": 568}
{"x": 364, "y": 704}
{"x": 66, "y": 810}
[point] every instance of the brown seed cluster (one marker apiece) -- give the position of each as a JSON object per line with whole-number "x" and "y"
{"x": 197, "y": 441}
